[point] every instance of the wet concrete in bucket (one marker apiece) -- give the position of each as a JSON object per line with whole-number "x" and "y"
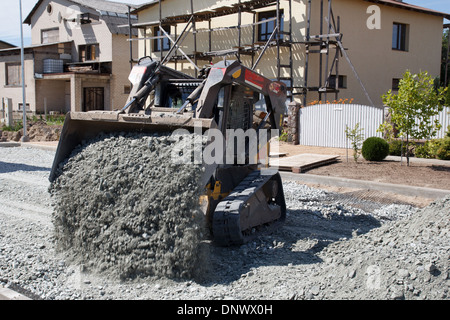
{"x": 124, "y": 208}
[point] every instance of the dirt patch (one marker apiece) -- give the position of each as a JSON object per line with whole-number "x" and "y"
{"x": 419, "y": 175}
{"x": 36, "y": 131}
{"x": 292, "y": 150}
{"x": 395, "y": 172}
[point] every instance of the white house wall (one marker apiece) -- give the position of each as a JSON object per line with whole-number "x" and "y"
{"x": 370, "y": 50}
{"x": 371, "y": 53}
{"x": 15, "y": 92}
{"x": 70, "y": 31}
{"x": 120, "y": 70}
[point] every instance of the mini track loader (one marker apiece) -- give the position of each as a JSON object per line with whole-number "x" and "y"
{"x": 241, "y": 200}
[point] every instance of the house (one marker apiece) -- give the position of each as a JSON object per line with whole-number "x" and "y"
{"x": 323, "y": 50}
{"x": 79, "y": 58}
{"x": 5, "y": 45}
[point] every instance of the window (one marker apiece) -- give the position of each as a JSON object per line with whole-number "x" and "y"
{"x": 88, "y": 52}
{"x": 50, "y": 36}
{"x": 21, "y": 107}
{"x": 13, "y": 74}
{"x": 265, "y": 29}
{"x": 165, "y": 42}
{"x": 400, "y": 37}
{"x": 395, "y": 84}
{"x": 342, "y": 84}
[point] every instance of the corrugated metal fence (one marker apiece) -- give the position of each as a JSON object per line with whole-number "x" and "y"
{"x": 324, "y": 125}
{"x": 444, "y": 120}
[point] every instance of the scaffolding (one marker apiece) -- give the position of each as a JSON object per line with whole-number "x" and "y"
{"x": 447, "y": 56}
{"x": 327, "y": 44}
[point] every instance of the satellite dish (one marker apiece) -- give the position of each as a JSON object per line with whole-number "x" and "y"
{"x": 71, "y": 17}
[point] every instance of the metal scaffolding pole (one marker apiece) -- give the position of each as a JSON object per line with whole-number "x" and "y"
{"x": 336, "y": 86}
{"x": 447, "y": 57}
{"x": 194, "y": 30}
{"x": 320, "y": 55}
{"x": 278, "y": 40}
{"x": 328, "y": 51}
{"x": 239, "y": 31}
{"x": 160, "y": 28}
{"x": 130, "y": 30}
{"x": 308, "y": 39}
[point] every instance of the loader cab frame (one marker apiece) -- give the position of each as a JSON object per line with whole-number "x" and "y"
{"x": 174, "y": 92}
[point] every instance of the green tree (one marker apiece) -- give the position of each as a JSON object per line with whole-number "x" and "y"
{"x": 413, "y": 106}
{"x": 356, "y": 138}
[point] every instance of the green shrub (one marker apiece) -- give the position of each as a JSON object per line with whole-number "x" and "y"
{"x": 429, "y": 149}
{"x": 395, "y": 148}
{"x": 16, "y": 127}
{"x": 375, "y": 149}
{"x": 424, "y": 151}
{"x": 443, "y": 151}
{"x": 284, "y": 136}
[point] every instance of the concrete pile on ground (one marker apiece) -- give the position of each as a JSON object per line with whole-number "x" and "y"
{"x": 123, "y": 207}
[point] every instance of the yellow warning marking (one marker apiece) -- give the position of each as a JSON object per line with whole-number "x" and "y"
{"x": 237, "y": 74}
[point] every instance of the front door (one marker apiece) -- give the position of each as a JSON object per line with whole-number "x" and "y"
{"x": 94, "y": 99}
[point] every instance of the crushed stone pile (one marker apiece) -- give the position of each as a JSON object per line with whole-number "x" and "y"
{"x": 327, "y": 249}
{"x": 404, "y": 259}
{"x": 123, "y": 207}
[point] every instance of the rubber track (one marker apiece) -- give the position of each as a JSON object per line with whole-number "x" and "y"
{"x": 226, "y": 220}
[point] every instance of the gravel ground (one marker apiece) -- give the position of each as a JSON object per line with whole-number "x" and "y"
{"x": 327, "y": 249}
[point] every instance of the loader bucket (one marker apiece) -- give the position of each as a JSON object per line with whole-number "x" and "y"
{"x": 82, "y": 126}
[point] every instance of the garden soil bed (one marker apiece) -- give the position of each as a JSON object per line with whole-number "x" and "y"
{"x": 395, "y": 172}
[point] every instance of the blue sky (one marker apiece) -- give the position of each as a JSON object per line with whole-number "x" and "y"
{"x": 10, "y": 22}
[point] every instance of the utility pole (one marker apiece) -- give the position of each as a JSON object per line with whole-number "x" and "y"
{"x": 22, "y": 57}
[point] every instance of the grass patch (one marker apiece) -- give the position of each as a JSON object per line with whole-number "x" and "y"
{"x": 16, "y": 127}
{"x": 55, "y": 120}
